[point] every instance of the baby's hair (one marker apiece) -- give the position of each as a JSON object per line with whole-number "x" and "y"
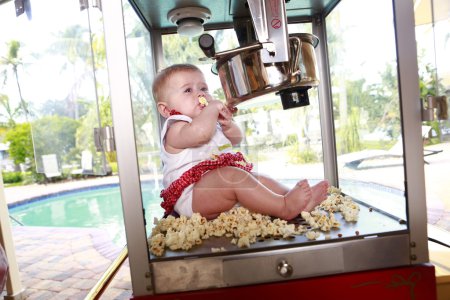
{"x": 162, "y": 77}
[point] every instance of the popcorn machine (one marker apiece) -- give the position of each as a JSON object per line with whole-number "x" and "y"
{"x": 362, "y": 260}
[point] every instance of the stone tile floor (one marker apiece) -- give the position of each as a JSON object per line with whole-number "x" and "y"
{"x": 65, "y": 263}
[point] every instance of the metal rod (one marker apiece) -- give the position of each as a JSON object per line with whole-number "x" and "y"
{"x": 231, "y": 52}
{"x": 99, "y": 288}
{"x": 15, "y": 220}
{"x": 94, "y": 72}
{"x": 408, "y": 81}
{"x": 326, "y": 104}
{"x": 124, "y": 133}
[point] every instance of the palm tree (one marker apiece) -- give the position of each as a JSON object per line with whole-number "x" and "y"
{"x": 13, "y": 61}
{"x": 9, "y": 112}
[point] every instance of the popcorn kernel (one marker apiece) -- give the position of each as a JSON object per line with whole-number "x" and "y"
{"x": 202, "y": 100}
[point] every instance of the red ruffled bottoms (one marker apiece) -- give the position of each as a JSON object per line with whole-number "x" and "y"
{"x": 193, "y": 175}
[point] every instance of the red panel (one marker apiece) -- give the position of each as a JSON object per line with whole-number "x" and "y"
{"x": 415, "y": 282}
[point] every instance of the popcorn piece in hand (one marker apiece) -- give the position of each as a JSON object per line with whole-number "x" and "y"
{"x": 202, "y": 100}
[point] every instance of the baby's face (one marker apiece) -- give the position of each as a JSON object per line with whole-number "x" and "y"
{"x": 183, "y": 91}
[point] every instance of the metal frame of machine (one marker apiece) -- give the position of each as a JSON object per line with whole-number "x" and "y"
{"x": 399, "y": 249}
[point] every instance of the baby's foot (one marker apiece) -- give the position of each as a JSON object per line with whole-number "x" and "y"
{"x": 319, "y": 193}
{"x": 296, "y": 199}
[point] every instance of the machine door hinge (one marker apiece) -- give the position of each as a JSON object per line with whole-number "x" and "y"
{"x": 104, "y": 139}
{"x": 94, "y": 3}
{"x": 20, "y": 7}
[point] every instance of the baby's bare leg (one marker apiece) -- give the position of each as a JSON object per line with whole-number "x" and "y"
{"x": 272, "y": 184}
{"x": 219, "y": 190}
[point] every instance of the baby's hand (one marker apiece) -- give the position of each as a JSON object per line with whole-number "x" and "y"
{"x": 225, "y": 117}
{"x": 216, "y": 104}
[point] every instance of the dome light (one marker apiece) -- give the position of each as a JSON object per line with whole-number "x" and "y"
{"x": 189, "y": 20}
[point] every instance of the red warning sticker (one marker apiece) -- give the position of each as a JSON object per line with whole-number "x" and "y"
{"x": 276, "y": 23}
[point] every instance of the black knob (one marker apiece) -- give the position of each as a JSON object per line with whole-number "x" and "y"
{"x": 285, "y": 269}
{"x": 206, "y": 43}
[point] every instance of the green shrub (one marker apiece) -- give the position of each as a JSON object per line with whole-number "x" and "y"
{"x": 291, "y": 139}
{"x": 12, "y": 177}
{"x": 301, "y": 157}
{"x": 113, "y": 166}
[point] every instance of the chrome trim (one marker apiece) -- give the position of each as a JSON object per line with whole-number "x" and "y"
{"x": 408, "y": 81}
{"x": 262, "y": 267}
{"x": 122, "y": 112}
{"x": 102, "y": 284}
{"x": 158, "y": 54}
{"x": 326, "y": 104}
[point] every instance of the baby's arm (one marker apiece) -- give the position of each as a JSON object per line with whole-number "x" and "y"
{"x": 229, "y": 128}
{"x": 182, "y": 135}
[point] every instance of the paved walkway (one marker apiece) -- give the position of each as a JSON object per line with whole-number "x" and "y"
{"x": 65, "y": 263}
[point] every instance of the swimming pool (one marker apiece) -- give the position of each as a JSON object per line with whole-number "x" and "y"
{"x": 98, "y": 207}
{"x": 101, "y": 206}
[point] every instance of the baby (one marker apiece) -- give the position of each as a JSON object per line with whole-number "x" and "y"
{"x": 201, "y": 173}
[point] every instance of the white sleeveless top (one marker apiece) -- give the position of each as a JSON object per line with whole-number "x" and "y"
{"x": 174, "y": 165}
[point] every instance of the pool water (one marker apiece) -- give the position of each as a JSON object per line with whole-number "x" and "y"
{"x": 99, "y": 207}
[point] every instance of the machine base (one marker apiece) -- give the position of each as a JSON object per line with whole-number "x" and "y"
{"x": 411, "y": 282}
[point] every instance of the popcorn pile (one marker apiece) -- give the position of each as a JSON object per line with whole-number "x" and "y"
{"x": 336, "y": 202}
{"x": 239, "y": 224}
{"x": 244, "y": 227}
{"x": 323, "y": 218}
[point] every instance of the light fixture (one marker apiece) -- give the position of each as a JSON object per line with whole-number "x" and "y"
{"x": 189, "y": 20}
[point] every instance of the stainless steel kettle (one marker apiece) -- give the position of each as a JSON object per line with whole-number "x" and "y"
{"x": 244, "y": 75}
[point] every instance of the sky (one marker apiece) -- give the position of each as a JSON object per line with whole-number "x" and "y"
{"x": 42, "y": 79}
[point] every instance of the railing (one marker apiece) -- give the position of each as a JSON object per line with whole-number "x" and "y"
{"x": 15, "y": 220}
{"x": 101, "y": 285}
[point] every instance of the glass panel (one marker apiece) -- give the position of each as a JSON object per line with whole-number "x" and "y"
{"x": 433, "y": 46}
{"x": 366, "y": 109}
{"x": 273, "y": 137}
{"x": 50, "y": 85}
{"x": 285, "y": 144}
{"x": 58, "y": 84}
{"x": 145, "y": 114}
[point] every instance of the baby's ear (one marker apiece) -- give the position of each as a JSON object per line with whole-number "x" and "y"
{"x": 163, "y": 109}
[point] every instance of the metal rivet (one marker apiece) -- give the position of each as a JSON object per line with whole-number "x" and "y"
{"x": 413, "y": 257}
{"x": 412, "y": 244}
